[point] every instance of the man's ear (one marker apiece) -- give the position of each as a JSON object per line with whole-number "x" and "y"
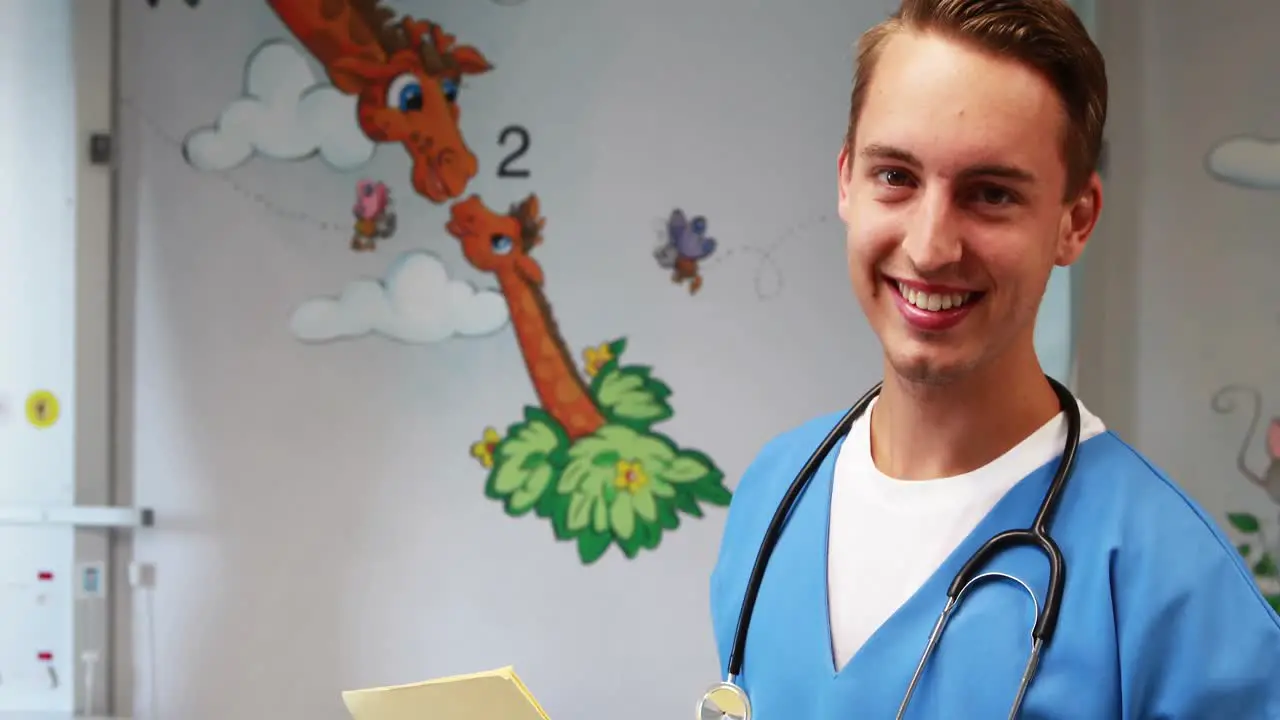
{"x": 1079, "y": 221}
{"x": 844, "y": 174}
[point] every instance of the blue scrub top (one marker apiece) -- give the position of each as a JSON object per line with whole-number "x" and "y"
{"x": 1160, "y": 616}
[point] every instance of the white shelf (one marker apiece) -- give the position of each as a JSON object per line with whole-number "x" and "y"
{"x": 14, "y": 715}
{"x": 85, "y": 516}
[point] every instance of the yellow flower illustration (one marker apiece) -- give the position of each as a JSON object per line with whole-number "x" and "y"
{"x": 483, "y": 451}
{"x": 630, "y": 476}
{"x": 637, "y": 494}
{"x": 596, "y": 357}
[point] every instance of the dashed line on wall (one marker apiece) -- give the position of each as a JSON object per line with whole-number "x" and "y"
{"x": 768, "y": 280}
{"x": 249, "y": 194}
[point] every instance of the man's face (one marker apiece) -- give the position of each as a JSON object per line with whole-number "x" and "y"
{"x": 952, "y": 196}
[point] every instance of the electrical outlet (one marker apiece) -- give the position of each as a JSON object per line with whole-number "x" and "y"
{"x": 50, "y": 671}
{"x": 44, "y": 586}
{"x": 38, "y": 587}
{"x": 91, "y": 580}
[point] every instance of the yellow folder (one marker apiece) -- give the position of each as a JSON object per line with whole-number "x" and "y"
{"x": 479, "y": 696}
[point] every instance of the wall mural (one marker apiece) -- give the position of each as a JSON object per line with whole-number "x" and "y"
{"x": 415, "y": 302}
{"x": 684, "y": 245}
{"x": 1261, "y": 552}
{"x": 1245, "y": 161}
{"x": 685, "y": 250}
{"x": 586, "y": 457}
{"x": 406, "y": 76}
{"x": 375, "y": 215}
{"x": 1253, "y": 163}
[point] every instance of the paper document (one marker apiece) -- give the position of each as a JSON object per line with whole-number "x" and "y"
{"x": 493, "y": 695}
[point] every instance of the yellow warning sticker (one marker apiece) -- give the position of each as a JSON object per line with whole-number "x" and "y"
{"x": 42, "y": 409}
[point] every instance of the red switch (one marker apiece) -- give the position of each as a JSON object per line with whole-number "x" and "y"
{"x": 45, "y": 575}
{"x": 45, "y": 656}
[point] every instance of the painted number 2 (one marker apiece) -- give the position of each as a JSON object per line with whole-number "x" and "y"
{"x": 505, "y": 169}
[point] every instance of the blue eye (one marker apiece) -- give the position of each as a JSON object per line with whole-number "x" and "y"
{"x": 404, "y": 93}
{"x": 501, "y": 244}
{"x": 449, "y": 87}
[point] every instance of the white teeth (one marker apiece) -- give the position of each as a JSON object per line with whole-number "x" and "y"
{"x": 933, "y": 301}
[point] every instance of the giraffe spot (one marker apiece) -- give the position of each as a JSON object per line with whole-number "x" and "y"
{"x": 374, "y": 124}
{"x": 530, "y": 321}
{"x": 360, "y": 33}
{"x": 545, "y": 370}
{"x": 323, "y": 44}
{"x": 330, "y": 9}
{"x": 567, "y": 392}
{"x": 367, "y": 116}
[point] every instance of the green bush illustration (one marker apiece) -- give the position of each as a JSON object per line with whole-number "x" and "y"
{"x": 1258, "y": 555}
{"x": 624, "y": 484}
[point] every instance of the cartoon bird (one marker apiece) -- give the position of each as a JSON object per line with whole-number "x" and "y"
{"x": 375, "y": 215}
{"x": 686, "y": 245}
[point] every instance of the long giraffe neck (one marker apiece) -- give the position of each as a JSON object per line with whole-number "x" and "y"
{"x": 560, "y": 389}
{"x": 331, "y": 29}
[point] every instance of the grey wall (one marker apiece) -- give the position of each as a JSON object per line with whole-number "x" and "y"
{"x": 1179, "y": 292}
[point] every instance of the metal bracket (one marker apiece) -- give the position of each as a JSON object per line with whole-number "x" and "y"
{"x": 84, "y": 516}
{"x": 100, "y": 148}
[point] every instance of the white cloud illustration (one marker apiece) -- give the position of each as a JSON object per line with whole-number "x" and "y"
{"x": 1246, "y": 161}
{"x": 416, "y": 303}
{"x": 286, "y": 113}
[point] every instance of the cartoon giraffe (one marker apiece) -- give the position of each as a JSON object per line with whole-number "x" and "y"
{"x": 500, "y": 245}
{"x": 406, "y": 76}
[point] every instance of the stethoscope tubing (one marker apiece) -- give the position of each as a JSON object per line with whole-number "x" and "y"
{"x": 1036, "y": 536}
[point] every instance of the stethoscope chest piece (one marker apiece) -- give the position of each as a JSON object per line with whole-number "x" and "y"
{"x": 725, "y": 701}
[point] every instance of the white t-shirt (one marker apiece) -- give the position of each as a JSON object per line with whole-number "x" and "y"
{"x": 888, "y": 536}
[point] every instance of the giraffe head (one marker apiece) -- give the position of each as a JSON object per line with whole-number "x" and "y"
{"x": 409, "y": 95}
{"x": 499, "y": 243}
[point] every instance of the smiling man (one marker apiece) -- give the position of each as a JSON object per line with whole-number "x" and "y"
{"x": 967, "y": 174}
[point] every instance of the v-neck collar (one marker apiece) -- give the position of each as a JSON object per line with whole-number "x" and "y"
{"x": 914, "y": 619}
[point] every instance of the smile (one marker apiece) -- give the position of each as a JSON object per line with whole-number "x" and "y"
{"x": 933, "y": 302}
{"x": 932, "y": 309}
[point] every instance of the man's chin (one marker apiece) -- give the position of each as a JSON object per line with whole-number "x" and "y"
{"x": 930, "y": 367}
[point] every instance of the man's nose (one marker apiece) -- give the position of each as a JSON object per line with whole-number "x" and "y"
{"x": 933, "y": 239}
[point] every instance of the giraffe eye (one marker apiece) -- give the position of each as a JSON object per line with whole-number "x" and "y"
{"x": 449, "y": 87}
{"x": 404, "y": 93}
{"x": 501, "y": 244}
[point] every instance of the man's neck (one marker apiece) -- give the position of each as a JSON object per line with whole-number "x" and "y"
{"x": 923, "y": 432}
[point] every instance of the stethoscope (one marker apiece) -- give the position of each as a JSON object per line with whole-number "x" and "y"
{"x": 728, "y": 701}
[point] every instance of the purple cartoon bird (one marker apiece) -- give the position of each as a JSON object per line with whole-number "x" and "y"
{"x": 686, "y": 245}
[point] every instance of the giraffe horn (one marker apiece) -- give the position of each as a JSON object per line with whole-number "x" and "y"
{"x": 434, "y": 52}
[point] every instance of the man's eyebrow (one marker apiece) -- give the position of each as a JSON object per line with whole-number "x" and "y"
{"x": 889, "y": 152}
{"x": 1013, "y": 173}
{"x": 1006, "y": 172}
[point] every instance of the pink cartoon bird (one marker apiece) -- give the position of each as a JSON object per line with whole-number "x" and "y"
{"x": 375, "y": 215}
